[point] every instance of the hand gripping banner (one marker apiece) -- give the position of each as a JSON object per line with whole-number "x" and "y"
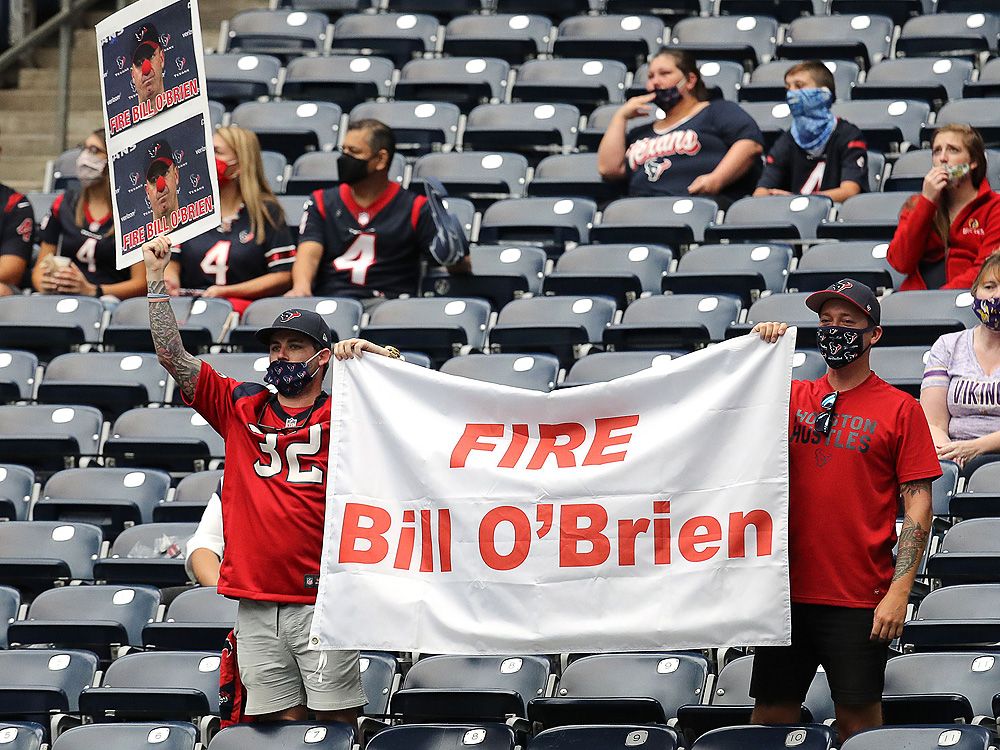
{"x": 647, "y": 513}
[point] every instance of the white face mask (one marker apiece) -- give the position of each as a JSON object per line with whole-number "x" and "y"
{"x": 90, "y": 168}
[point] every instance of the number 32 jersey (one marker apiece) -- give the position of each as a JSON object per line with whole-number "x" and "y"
{"x": 274, "y": 489}
{"x": 370, "y": 251}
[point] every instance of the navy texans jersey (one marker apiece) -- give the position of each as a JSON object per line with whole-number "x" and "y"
{"x": 91, "y": 247}
{"x": 232, "y": 255}
{"x": 370, "y": 251}
{"x": 17, "y": 228}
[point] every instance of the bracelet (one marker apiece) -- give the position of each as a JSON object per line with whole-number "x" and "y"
{"x": 158, "y": 297}
{"x": 393, "y": 352}
{"x": 99, "y": 291}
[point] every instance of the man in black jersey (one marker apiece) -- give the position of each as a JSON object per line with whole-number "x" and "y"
{"x": 17, "y": 227}
{"x": 365, "y": 237}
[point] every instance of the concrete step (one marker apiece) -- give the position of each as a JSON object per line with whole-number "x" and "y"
{"x": 47, "y": 79}
{"x": 12, "y": 122}
{"x": 43, "y": 101}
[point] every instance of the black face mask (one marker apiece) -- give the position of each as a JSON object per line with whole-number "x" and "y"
{"x": 351, "y": 169}
{"x": 839, "y": 345}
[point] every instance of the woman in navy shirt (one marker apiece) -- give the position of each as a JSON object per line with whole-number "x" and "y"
{"x": 700, "y": 147}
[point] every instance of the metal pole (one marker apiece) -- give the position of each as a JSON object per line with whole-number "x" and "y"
{"x": 65, "y": 53}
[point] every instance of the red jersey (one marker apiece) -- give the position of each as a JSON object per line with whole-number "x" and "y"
{"x": 274, "y": 489}
{"x": 844, "y": 488}
{"x": 973, "y": 235}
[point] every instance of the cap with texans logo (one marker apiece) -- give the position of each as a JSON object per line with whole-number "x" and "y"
{"x": 858, "y": 294}
{"x": 147, "y": 44}
{"x": 301, "y": 321}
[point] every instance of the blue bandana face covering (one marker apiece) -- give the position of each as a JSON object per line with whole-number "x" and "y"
{"x": 812, "y": 120}
{"x": 289, "y": 378}
{"x": 988, "y": 311}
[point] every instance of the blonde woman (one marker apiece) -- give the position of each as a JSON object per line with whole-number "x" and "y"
{"x": 78, "y": 236}
{"x": 250, "y": 256}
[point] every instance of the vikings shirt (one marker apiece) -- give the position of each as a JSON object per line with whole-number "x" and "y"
{"x": 664, "y": 163}
{"x": 91, "y": 247}
{"x": 230, "y": 254}
{"x": 18, "y": 224}
{"x": 370, "y": 251}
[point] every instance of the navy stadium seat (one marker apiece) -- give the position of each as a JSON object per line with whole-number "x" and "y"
{"x": 397, "y": 36}
{"x": 812, "y": 737}
{"x": 949, "y": 35}
{"x": 744, "y": 270}
{"x": 790, "y": 308}
{"x": 439, "y": 327}
{"x": 624, "y": 272}
{"x": 968, "y": 553}
{"x": 767, "y": 81}
{"x": 955, "y": 736}
{"x": 917, "y": 318}
{"x": 511, "y": 37}
{"x": 674, "y": 321}
{"x": 743, "y": 39}
{"x": 462, "y": 81}
{"x": 419, "y": 127}
{"x": 886, "y": 123}
{"x": 291, "y": 128}
{"x": 16, "y": 487}
{"x": 528, "y": 128}
{"x": 932, "y": 80}
{"x": 537, "y": 372}
{"x": 901, "y": 366}
{"x": 600, "y": 367}
{"x": 573, "y": 176}
{"x": 584, "y": 83}
{"x": 235, "y": 78}
{"x": 39, "y": 681}
{"x": 193, "y": 491}
{"x": 177, "y": 439}
{"x": 345, "y": 80}
{"x": 959, "y": 617}
{"x": 113, "y": 382}
{"x": 556, "y": 325}
{"x": 36, "y": 554}
{"x": 861, "y": 38}
{"x": 669, "y": 221}
{"x": 823, "y": 264}
{"x": 317, "y": 170}
{"x": 379, "y": 677}
{"x": 783, "y": 10}
{"x": 866, "y": 216}
{"x": 500, "y": 273}
{"x": 963, "y": 687}
{"x": 792, "y": 217}
{"x": 974, "y": 112}
{"x": 481, "y": 177}
{"x": 286, "y": 735}
{"x": 22, "y": 735}
{"x": 629, "y": 39}
{"x": 550, "y": 223}
{"x": 773, "y": 118}
{"x": 159, "y": 735}
{"x": 201, "y": 322}
{"x": 17, "y": 375}
{"x": 283, "y": 32}
{"x": 48, "y": 437}
{"x": 488, "y": 736}
{"x": 981, "y": 494}
{"x": 198, "y": 618}
{"x": 10, "y": 603}
{"x": 49, "y": 324}
{"x": 644, "y": 737}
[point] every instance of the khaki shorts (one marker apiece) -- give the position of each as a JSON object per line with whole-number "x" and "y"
{"x": 281, "y": 672}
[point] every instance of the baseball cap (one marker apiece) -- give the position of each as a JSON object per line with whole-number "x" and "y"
{"x": 147, "y": 42}
{"x": 858, "y": 294}
{"x": 302, "y": 321}
{"x": 161, "y": 153}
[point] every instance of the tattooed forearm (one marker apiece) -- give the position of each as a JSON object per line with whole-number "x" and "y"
{"x": 183, "y": 367}
{"x": 909, "y": 489}
{"x": 912, "y": 539}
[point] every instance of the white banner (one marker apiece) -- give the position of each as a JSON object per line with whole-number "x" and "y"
{"x": 642, "y": 514}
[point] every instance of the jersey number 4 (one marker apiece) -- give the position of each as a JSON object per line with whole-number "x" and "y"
{"x": 216, "y": 261}
{"x": 358, "y": 258}
{"x": 293, "y": 452}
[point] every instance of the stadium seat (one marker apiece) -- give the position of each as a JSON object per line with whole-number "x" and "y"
{"x": 773, "y": 118}
{"x": 419, "y": 127}
{"x": 201, "y": 321}
{"x": 293, "y": 207}
{"x": 286, "y": 735}
{"x": 556, "y": 325}
{"x": 931, "y": 80}
{"x": 111, "y": 499}
{"x": 198, "y": 619}
{"x": 332, "y": 8}
{"x": 480, "y": 177}
{"x": 811, "y": 737}
{"x": 177, "y": 439}
{"x": 668, "y": 10}
{"x": 969, "y": 553}
{"x": 463, "y": 210}
{"x": 767, "y": 81}
{"x": 943, "y": 488}
{"x": 746, "y": 271}
{"x": 674, "y": 321}
{"x": 442, "y": 9}
{"x": 49, "y": 324}
{"x": 16, "y": 488}
{"x": 234, "y": 78}
{"x": 557, "y": 9}
{"x": 901, "y": 366}
{"x": 961, "y": 617}
{"x": 573, "y": 176}
{"x": 742, "y": 39}
{"x": 379, "y": 677}
{"x": 17, "y": 375}
{"x": 667, "y": 221}
{"x": 955, "y": 736}
{"x": 284, "y": 33}
{"x": 723, "y": 78}
{"x": 624, "y": 272}
{"x": 548, "y": 222}
{"x": 64, "y": 173}
{"x": 886, "y": 123}
{"x": 974, "y": 112}
{"x": 489, "y": 736}
{"x": 500, "y": 273}
{"x": 949, "y": 35}
{"x": 536, "y": 372}
{"x": 243, "y": 367}
{"x": 807, "y": 364}
{"x": 22, "y": 735}
{"x": 790, "y": 308}
{"x": 191, "y": 496}
{"x": 644, "y": 737}
{"x": 624, "y": 689}
{"x": 909, "y": 169}
{"x": 396, "y": 36}
{"x": 49, "y": 438}
{"x": 344, "y": 80}
{"x": 341, "y": 314}
{"x": 439, "y": 327}
{"x": 39, "y": 681}
{"x": 987, "y": 85}
{"x": 179, "y": 685}
{"x": 98, "y": 618}
{"x": 291, "y": 128}
{"x": 161, "y": 735}
{"x": 527, "y": 128}
{"x": 457, "y": 688}
{"x": 862, "y": 38}
{"x": 917, "y": 318}
{"x": 113, "y": 382}
{"x": 41, "y": 202}
{"x": 866, "y": 216}
{"x": 962, "y": 687}
{"x": 10, "y": 603}
{"x": 317, "y": 170}
{"x": 584, "y": 83}
{"x": 795, "y": 217}
{"x": 511, "y": 37}
{"x": 600, "y": 367}
{"x": 876, "y": 170}
{"x": 463, "y": 81}
{"x": 784, "y": 11}
{"x": 151, "y": 553}
{"x": 589, "y": 137}
{"x": 626, "y": 38}
{"x": 274, "y": 170}
{"x": 216, "y": 114}
{"x": 823, "y": 264}
{"x": 981, "y": 495}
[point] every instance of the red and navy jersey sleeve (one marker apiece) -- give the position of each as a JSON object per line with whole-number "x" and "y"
{"x": 280, "y": 252}
{"x": 18, "y": 228}
{"x": 423, "y": 224}
{"x": 777, "y": 165}
{"x": 854, "y": 157}
{"x": 313, "y": 224}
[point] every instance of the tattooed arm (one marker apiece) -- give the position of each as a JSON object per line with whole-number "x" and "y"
{"x": 891, "y": 611}
{"x": 181, "y": 365}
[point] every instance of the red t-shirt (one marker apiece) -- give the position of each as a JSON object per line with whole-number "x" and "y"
{"x": 274, "y": 490}
{"x": 844, "y": 488}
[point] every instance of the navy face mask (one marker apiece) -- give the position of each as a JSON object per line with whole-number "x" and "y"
{"x": 666, "y": 99}
{"x": 840, "y": 345}
{"x": 290, "y": 378}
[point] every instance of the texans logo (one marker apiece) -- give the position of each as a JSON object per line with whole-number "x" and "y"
{"x": 181, "y": 62}
{"x": 178, "y": 156}
{"x": 122, "y": 62}
{"x": 835, "y": 348}
{"x": 135, "y": 178}
{"x": 195, "y": 179}
{"x": 140, "y": 34}
{"x": 289, "y": 315}
{"x": 164, "y": 40}
{"x": 132, "y": 84}
{"x": 822, "y": 457}
{"x": 153, "y": 152}
{"x": 850, "y": 337}
{"x": 655, "y": 168}
{"x": 841, "y": 286}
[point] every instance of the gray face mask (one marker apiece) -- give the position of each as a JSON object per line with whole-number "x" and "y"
{"x": 90, "y": 168}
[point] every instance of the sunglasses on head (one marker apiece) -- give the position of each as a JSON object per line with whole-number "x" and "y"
{"x": 824, "y": 422}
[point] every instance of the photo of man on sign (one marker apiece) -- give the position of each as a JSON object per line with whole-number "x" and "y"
{"x": 162, "y": 177}
{"x": 148, "y": 60}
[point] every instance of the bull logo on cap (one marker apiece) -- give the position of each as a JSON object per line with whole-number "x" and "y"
{"x": 288, "y": 315}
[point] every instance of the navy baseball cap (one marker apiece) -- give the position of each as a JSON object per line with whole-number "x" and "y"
{"x": 146, "y": 45}
{"x": 161, "y": 153}
{"x": 850, "y": 290}
{"x": 301, "y": 321}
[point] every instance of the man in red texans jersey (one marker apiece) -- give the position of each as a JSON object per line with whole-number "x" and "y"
{"x": 273, "y": 502}
{"x": 365, "y": 237}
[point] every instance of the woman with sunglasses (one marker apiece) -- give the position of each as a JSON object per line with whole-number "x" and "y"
{"x": 78, "y": 236}
{"x": 856, "y": 446}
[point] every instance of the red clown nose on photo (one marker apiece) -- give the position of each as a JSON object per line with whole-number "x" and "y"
{"x": 161, "y": 184}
